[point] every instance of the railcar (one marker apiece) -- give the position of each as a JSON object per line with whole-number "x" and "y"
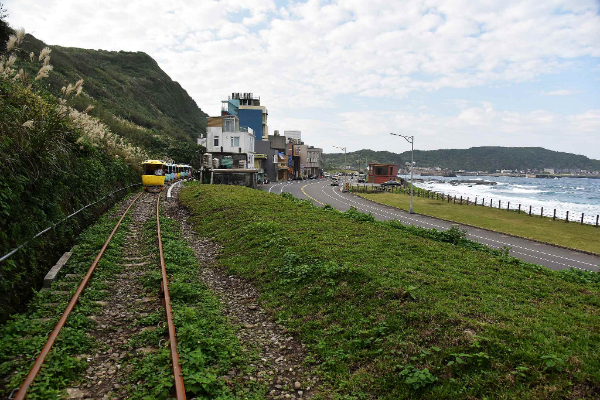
{"x": 153, "y": 175}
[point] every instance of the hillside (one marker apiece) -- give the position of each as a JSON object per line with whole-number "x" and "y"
{"x": 126, "y": 88}
{"x": 389, "y": 311}
{"x": 488, "y": 158}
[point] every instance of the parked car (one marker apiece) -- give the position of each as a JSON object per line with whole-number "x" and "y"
{"x": 335, "y": 182}
{"x": 391, "y": 183}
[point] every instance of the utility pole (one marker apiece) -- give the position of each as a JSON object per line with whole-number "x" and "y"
{"x": 345, "y": 162}
{"x": 411, "y": 140}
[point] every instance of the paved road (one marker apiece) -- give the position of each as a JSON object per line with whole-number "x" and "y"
{"x": 320, "y": 193}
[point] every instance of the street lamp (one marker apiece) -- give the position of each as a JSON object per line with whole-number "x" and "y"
{"x": 411, "y": 140}
{"x": 344, "y": 149}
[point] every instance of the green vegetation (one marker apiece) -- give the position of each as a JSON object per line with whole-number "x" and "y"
{"x": 576, "y": 236}
{"x": 50, "y": 167}
{"x": 388, "y": 314}
{"x": 207, "y": 345}
{"x": 24, "y": 335}
{"x": 131, "y": 94}
{"x": 487, "y": 158}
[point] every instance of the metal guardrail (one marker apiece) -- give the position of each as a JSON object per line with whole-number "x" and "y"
{"x": 13, "y": 251}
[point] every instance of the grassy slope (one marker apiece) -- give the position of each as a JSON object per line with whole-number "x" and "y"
{"x": 127, "y": 84}
{"x": 583, "y": 237}
{"x": 486, "y": 158}
{"x": 372, "y": 302}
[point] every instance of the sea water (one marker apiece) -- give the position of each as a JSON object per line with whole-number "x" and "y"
{"x": 576, "y": 195}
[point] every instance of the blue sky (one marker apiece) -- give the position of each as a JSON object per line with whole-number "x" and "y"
{"x": 454, "y": 73}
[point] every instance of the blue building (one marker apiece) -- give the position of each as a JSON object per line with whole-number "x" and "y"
{"x": 249, "y": 111}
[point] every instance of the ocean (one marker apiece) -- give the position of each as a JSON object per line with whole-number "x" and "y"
{"x": 576, "y": 195}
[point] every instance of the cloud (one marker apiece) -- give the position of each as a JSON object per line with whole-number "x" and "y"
{"x": 562, "y": 92}
{"x": 317, "y": 54}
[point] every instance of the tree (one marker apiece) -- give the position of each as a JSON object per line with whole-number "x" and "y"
{"x": 5, "y": 30}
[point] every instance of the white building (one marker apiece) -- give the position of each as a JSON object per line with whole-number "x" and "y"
{"x": 295, "y": 136}
{"x": 224, "y": 137}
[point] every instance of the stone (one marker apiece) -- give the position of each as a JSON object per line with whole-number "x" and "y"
{"x": 297, "y": 385}
{"x": 75, "y": 393}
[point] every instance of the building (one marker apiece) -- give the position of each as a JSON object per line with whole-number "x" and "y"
{"x": 283, "y": 163}
{"x": 314, "y": 162}
{"x": 293, "y": 136}
{"x": 265, "y": 160}
{"x": 249, "y": 111}
{"x": 379, "y": 173}
{"x": 226, "y": 141}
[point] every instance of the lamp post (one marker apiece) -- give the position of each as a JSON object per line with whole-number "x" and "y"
{"x": 411, "y": 140}
{"x": 345, "y": 163}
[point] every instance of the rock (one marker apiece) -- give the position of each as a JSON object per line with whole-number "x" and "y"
{"x": 300, "y": 393}
{"x": 297, "y": 385}
{"x": 278, "y": 387}
{"x": 75, "y": 393}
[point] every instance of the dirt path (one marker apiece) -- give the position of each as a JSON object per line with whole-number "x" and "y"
{"x": 281, "y": 356}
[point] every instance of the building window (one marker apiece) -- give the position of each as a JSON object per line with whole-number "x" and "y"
{"x": 235, "y": 141}
{"x": 216, "y": 141}
{"x": 229, "y": 125}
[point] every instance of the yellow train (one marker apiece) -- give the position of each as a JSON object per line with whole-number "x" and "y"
{"x": 153, "y": 174}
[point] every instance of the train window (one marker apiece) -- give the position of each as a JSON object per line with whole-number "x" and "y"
{"x": 153, "y": 169}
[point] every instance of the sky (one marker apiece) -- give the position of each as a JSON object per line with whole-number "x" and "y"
{"x": 453, "y": 74}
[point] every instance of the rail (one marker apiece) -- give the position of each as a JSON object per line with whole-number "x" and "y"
{"x": 61, "y": 322}
{"x": 179, "y": 385}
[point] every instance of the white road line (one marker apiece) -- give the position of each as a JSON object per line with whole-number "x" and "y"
{"x": 171, "y": 188}
{"x": 400, "y": 216}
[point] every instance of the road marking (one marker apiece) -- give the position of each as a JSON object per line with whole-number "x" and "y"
{"x": 398, "y": 215}
{"x": 310, "y": 197}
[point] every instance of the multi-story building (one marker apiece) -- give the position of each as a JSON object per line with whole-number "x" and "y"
{"x": 314, "y": 162}
{"x": 226, "y": 140}
{"x": 293, "y": 136}
{"x": 249, "y": 111}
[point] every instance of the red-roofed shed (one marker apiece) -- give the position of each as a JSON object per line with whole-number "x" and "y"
{"x": 379, "y": 173}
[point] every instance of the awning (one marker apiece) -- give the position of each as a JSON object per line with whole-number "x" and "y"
{"x": 259, "y": 155}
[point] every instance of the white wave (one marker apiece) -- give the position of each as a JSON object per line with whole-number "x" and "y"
{"x": 519, "y": 190}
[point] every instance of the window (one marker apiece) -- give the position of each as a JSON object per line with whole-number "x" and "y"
{"x": 229, "y": 125}
{"x": 235, "y": 141}
{"x": 216, "y": 141}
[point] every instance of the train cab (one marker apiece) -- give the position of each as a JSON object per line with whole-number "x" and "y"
{"x": 153, "y": 174}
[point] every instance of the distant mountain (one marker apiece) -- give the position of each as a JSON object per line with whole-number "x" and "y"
{"x": 129, "y": 86}
{"x": 488, "y": 158}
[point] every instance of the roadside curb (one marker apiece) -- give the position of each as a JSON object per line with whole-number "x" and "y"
{"x": 591, "y": 253}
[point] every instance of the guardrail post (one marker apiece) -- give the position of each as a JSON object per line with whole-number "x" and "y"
{"x": 530, "y": 211}
{"x": 542, "y": 212}
{"x": 499, "y": 204}
{"x": 461, "y": 200}
{"x": 597, "y": 217}
{"x": 567, "y": 220}
{"x": 581, "y": 218}
{"x": 554, "y": 216}
{"x": 519, "y": 209}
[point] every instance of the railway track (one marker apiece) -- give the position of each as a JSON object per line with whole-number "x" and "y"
{"x": 126, "y": 300}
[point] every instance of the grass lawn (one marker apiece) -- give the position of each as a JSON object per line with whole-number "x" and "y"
{"x": 574, "y": 235}
{"x": 387, "y": 314}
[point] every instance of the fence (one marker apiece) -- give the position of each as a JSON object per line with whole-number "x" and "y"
{"x": 13, "y": 251}
{"x": 485, "y": 202}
